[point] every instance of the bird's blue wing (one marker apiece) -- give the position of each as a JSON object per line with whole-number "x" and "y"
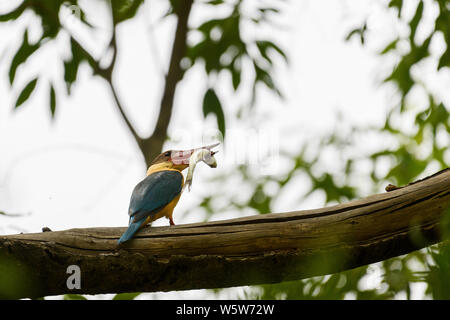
{"x": 154, "y": 193}
{"x": 150, "y": 196}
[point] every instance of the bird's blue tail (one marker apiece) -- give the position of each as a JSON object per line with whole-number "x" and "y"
{"x": 132, "y": 229}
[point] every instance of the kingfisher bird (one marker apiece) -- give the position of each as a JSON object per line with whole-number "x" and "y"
{"x": 157, "y": 195}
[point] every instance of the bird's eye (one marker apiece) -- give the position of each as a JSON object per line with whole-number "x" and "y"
{"x": 167, "y": 153}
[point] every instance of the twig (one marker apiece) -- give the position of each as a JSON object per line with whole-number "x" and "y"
{"x": 14, "y": 215}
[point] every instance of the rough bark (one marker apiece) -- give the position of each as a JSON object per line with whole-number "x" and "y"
{"x": 251, "y": 250}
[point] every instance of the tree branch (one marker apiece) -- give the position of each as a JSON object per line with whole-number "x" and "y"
{"x": 252, "y": 250}
{"x": 107, "y": 74}
{"x": 152, "y": 146}
{"x": 123, "y": 114}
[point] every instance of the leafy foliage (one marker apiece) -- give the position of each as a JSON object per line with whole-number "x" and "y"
{"x": 48, "y": 12}
{"x": 408, "y": 161}
{"x": 26, "y": 92}
{"x": 410, "y": 158}
{"x": 22, "y": 54}
{"x": 125, "y": 9}
{"x": 211, "y": 104}
{"x": 52, "y": 100}
{"x": 221, "y": 48}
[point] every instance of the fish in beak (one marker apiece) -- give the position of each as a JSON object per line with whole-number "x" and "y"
{"x": 204, "y": 154}
{"x": 182, "y": 157}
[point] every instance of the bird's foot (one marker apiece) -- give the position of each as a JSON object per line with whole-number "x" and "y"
{"x": 171, "y": 222}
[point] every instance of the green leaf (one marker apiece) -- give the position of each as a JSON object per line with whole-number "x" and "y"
{"x": 71, "y": 66}
{"x": 408, "y": 167}
{"x": 333, "y": 192}
{"x": 72, "y": 296}
{"x": 126, "y": 296}
{"x": 26, "y": 92}
{"x": 52, "y": 100}
{"x": 415, "y": 21}
{"x": 215, "y": 2}
{"x": 444, "y": 61}
{"x": 70, "y": 72}
{"x": 264, "y": 77}
{"x": 22, "y": 54}
{"x": 236, "y": 78}
{"x": 48, "y": 11}
{"x": 358, "y": 31}
{"x": 264, "y": 10}
{"x": 211, "y": 104}
{"x": 391, "y": 46}
{"x": 260, "y": 201}
{"x": 207, "y": 26}
{"x": 125, "y": 9}
{"x": 401, "y": 76}
{"x": 397, "y": 4}
{"x": 13, "y": 15}
{"x": 264, "y": 46}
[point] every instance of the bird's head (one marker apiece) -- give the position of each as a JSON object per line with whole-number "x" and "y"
{"x": 177, "y": 159}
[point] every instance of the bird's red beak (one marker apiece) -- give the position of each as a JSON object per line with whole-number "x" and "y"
{"x": 180, "y": 157}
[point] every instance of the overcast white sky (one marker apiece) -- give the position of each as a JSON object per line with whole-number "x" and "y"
{"x": 79, "y": 170}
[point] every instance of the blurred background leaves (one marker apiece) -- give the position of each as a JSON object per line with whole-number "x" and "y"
{"x": 220, "y": 48}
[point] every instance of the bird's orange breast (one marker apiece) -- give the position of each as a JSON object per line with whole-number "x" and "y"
{"x": 167, "y": 211}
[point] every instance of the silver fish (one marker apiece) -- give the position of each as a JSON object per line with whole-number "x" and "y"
{"x": 205, "y": 155}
